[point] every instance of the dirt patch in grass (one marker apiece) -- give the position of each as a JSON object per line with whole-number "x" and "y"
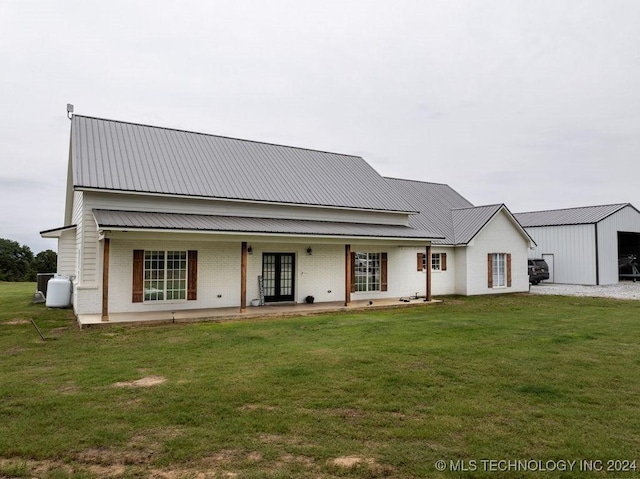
{"x": 112, "y": 457}
{"x": 347, "y": 462}
{"x": 367, "y": 463}
{"x": 228, "y": 456}
{"x": 187, "y": 473}
{"x": 47, "y": 468}
{"x": 13, "y": 322}
{"x": 141, "y": 450}
{"x": 146, "y": 382}
{"x": 115, "y": 470}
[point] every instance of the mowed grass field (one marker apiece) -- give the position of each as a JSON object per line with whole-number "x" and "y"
{"x": 367, "y": 394}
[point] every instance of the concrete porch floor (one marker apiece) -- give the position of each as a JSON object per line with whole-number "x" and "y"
{"x": 252, "y": 312}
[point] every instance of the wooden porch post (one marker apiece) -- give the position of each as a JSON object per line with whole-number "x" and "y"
{"x": 428, "y": 266}
{"x": 105, "y": 281}
{"x": 347, "y": 274}
{"x": 243, "y": 278}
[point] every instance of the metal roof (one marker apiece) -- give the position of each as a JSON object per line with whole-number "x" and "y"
{"x": 56, "y": 232}
{"x": 115, "y": 155}
{"x": 434, "y": 201}
{"x": 107, "y": 219}
{"x": 569, "y": 216}
{"x": 467, "y": 222}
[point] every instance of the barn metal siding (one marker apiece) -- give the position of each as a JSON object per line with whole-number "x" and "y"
{"x": 574, "y": 250}
{"x": 626, "y": 219}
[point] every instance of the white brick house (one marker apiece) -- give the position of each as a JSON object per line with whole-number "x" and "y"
{"x": 166, "y": 220}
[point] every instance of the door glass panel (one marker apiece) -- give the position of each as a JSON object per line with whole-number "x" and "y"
{"x": 269, "y": 274}
{"x": 286, "y": 275}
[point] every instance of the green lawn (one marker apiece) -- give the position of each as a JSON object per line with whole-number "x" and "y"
{"x": 367, "y": 394}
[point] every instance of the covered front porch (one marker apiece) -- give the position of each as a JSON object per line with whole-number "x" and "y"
{"x": 258, "y": 312}
{"x": 154, "y": 268}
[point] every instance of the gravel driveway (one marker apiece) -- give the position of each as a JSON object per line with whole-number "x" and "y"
{"x": 624, "y": 290}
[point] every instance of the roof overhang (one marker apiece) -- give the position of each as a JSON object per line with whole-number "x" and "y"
{"x": 130, "y": 221}
{"x": 56, "y": 232}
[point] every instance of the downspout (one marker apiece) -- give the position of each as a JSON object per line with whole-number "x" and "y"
{"x": 597, "y": 256}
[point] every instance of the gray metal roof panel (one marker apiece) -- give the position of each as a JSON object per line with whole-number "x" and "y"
{"x": 435, "y": 202}
{"x": 467, "y": 222}
{"x": 115, "y": 155}
{"x": 568, "y": 216}
{"x": 236, "y": 224}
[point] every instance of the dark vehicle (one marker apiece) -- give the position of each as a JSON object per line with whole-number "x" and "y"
{"x": 538, "y": 270}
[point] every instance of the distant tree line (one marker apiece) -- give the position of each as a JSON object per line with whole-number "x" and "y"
{"x": 17, "y": 263}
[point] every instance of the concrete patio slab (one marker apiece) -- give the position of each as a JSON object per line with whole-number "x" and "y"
{"x": 252, "y": 312}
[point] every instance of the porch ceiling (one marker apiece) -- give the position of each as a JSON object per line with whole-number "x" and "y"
{"x": 141, "y": 221}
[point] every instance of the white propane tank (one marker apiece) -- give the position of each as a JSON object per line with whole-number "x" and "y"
{"x": 59, "y": 292}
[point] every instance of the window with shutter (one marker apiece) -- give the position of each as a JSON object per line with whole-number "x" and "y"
{"x": 164, "y": 275}
{"x": 499, "y": 270}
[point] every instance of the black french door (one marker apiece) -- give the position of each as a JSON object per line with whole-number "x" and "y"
{"x": 278, "y": 274}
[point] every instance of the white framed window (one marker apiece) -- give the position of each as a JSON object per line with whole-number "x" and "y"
{"x": 436, "y": 262}
{"x": 367, "y": 271}
{"x": 165, "y": 275}
{"x": 499, "y": 270}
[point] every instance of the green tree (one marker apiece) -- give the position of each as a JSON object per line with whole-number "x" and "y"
{"x": 45, "y": 261}
{"x": 15, "y": 261}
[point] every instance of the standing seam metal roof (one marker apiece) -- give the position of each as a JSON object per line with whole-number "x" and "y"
{"x": 114, "y": 155}
{"x": 467, "y": 222}
{"x": 569, "y": 216}
{"x": 444, "y": 210}
{"x": 435, "y": 202}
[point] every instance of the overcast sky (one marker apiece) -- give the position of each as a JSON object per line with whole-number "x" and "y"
{"x": 535, "y": 104}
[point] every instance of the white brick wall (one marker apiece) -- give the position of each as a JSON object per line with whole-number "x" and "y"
{"x": 88, "y": 246}
{"x": 499, "y": 236}
{"x": 461, "y": 271}
{"x": 87, "y": 300}
{"x": 444, "y": 282}
{"x": 320, "y": 274}
{"x": 218, "y": 275}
